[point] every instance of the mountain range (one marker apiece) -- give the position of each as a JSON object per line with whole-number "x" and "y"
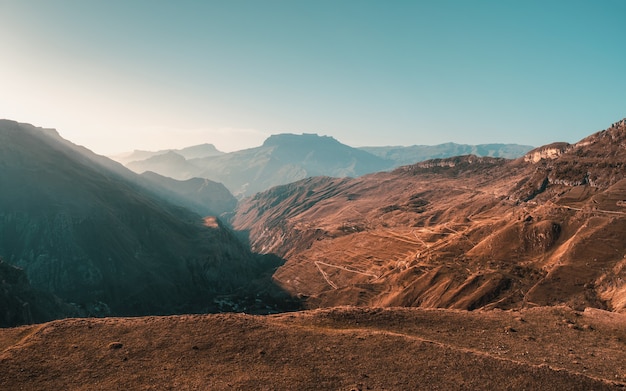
{"x": 465, "y": 232}
{"x": 286, "y": 158}
{"x": 464, "y": 272}
{"x": 193, "y": 152}
{"x": 402, "y": 156}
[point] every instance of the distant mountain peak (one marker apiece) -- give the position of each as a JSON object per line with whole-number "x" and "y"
{"x": 199, "y": 151}
{"x": 167, "y": 156}
{"x": 297, "y": 139}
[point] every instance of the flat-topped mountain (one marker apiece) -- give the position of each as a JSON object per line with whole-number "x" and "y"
{"x": 463, "y": 232}
{"x": 88, "y": 231}
{"x": 286, "y": 158}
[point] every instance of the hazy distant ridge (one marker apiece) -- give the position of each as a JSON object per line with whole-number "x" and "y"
{"x": 416, "y": 153}
{"x": 285, "y": 158}
{"x": 195, "y": 151}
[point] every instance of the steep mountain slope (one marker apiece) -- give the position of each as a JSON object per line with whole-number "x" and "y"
{"x": 82, "y": 230}
{"x": 462, "y": 232}
{"x": 402, "y": 156}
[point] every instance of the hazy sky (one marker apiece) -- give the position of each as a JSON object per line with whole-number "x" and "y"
{"x": 118, "y": 75}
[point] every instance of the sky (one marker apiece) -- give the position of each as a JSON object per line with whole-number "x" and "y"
{"x": 120, "y": 75}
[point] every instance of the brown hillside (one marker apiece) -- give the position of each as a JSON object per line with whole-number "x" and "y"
{"x": 465, "y": 232}
{"x": 337, "y": 349}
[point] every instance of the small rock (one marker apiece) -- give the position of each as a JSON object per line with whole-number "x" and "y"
{"x": 116, "y": 345}
{"x": 509, "y": 329}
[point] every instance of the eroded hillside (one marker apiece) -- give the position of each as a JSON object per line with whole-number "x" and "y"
{"x": 464, "y": 232}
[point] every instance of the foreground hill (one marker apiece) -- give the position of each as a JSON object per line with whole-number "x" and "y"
{"x": 337, "y": 349}
{"x": 462, "y": 232}
{"x": 84, "y": 230}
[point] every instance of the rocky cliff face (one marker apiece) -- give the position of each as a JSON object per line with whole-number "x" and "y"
{"x": 21, "y": 304}
{"x": 547, "y": 152}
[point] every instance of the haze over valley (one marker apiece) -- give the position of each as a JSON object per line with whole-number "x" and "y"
{"x": 539, "y": 236}
{"x": 285, "y": 158}
{"x": 324, "y": 195}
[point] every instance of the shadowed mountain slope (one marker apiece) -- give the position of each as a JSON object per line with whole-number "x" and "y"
{"x": 21, "y": 304}
{"x": 83, "y": 230}
{"x": 463, "y": 232}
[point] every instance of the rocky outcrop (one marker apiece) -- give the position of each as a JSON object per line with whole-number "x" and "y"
{"x": 547, "y": 152}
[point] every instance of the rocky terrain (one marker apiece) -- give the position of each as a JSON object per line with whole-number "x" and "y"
{"x": 463, "y": 232}
{"x": 541, "y": 348}
{"x": 286, "y": 158}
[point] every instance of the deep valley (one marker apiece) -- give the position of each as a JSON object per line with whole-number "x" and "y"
{"x": 463, "y": 272}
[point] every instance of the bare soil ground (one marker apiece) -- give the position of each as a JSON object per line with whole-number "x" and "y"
{"x": 343, "y": 348}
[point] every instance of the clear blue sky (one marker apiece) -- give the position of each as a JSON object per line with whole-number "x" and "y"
{"x": 119, "y": 75}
